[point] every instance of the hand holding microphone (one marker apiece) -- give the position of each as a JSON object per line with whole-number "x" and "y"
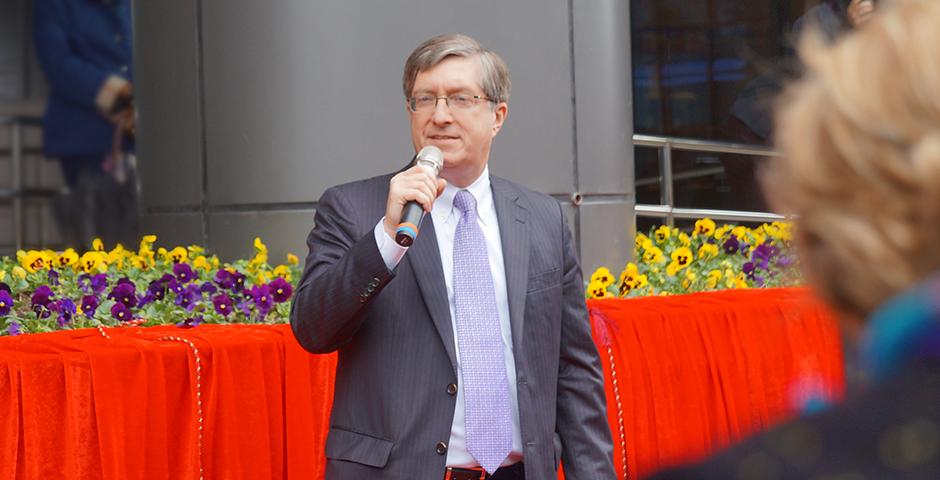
{"x": 411, "y": 194}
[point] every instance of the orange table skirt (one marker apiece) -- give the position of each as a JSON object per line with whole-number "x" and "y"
{"x": 693, "y": 374}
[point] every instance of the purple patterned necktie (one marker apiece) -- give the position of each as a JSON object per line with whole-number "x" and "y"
{"x": 482, "y": 359}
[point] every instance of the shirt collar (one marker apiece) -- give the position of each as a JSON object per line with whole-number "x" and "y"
{"x": 444, "y": 210}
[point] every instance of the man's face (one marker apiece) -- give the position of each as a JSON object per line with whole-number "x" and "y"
{"x": 464, "y": 135}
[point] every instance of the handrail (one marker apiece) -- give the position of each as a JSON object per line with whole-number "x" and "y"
{"x": 668, "y": 208}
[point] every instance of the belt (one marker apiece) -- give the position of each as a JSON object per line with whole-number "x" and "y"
{"x": 514, "y": 471}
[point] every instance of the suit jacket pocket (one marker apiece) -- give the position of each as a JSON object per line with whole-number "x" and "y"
{"x": 357, "y": 447}
{"x": 543, "y": 280}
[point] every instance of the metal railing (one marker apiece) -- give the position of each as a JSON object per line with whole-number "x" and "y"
{"x": 667, "y": 207}
{"x": 17, "y": 193}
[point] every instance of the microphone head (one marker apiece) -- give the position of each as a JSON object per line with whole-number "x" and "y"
{"x": 431, "y": 157}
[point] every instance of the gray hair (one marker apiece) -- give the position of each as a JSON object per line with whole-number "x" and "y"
{"x": 495, "y": 82}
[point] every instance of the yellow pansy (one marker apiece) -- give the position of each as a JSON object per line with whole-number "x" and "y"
{"x": 97, "y": 245}
{"x": 662, "y": 234}
{"x": 740, "y": 232}
{"x": 67, "y": 258}
{"x": 195, "y": 250}
{"x": 19, "y": 272}
{"x": 177, "y": 255}
{"x": 688, "y": 280}
{"x": 292, "y": 259}
{"x": 740, "y": 281}
{"x": 647, "y": 244}
{"x": 705, "y": 226}
{"x": 784, "y": 231}
{"x": 93, "y": 262}
{"x": 603, "y": 276}
{"x": 722, "y": 231}
{"x": 682, "y": 256}
{"x": 641, "y": 281}
{"x": 628, "y": 279}
{"x": 598, "y": 290}
{"x": 261, "y": 253}
{"x": 684, "y": 239}
{"x": 714, "y": 277}
{"x": 640, "y": 239}
{"x": 35, "y": 260}
{"x": 672, "y": 269}
{"x": 161, "y": 253}
{"x": 708, "y": 250}
{"x": 116, "y": 256}
{"x": 283, "y": 271}
{"x": 653, "y": 255}
{"x": 141, "y": 262}
{"x": 202, "y": 262}
{"x": 262, "y": 278}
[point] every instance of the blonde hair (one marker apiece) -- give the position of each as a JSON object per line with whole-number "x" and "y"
{"x": 860, "y": 167}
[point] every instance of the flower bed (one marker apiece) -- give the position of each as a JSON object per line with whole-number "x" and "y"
{"x": 41, "y": 291}
{"x": 709, "y": 257}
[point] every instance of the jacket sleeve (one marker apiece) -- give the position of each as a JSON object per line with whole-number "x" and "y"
{"x": 70, "y": 75}
{"x": 344, "y": 272}
{"x": 581, "y": 417}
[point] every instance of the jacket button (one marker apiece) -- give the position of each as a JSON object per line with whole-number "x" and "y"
{"x": 441, "y": 448}
{"x": 452, "y": 389}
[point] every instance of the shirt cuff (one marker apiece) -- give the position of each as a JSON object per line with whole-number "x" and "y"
{"x": 109, "y": 92}
{"x": 391, "y": 252}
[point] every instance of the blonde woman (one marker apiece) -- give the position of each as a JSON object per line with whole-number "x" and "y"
{"x": 860, "y": 170}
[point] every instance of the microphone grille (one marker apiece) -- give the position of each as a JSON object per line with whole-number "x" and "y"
{"x": 431, "y": 156}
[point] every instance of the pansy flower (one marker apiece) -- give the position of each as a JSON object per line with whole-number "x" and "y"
{"x": 89, "y": 305}
{"x": 184, "y": 273}
{"x": 223, "y": 304}
{"x": 281, "y": 290}
{"x": 191, "y": 322}
{"x": 6, "y": 302}
{"x": 124, "y": 292}
{"x": 120, "y": 312}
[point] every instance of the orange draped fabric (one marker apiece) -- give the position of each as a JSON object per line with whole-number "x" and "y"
{"x": 693, "y": 374}
{"x": 698, "y": 372}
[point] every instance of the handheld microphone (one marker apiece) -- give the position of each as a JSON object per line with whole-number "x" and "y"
{"x": 432, "y": 159}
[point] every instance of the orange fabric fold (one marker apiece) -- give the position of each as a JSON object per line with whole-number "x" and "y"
{"x": 695, "y": 373}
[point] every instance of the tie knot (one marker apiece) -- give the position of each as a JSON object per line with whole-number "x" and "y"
{"x": 465, "y": 202}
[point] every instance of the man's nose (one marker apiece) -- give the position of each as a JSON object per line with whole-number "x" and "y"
{"x": 442, "y": 113}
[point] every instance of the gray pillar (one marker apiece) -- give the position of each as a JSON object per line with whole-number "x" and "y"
{"x": 249, "y": 111}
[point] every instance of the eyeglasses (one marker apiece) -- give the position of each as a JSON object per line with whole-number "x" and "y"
{"x": 459, "y": 101}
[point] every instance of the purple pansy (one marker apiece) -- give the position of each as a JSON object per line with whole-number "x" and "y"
{"x": 54, "y": 277}
{"x": 156, "y": 289}
{"x": 14, "y": 328}
{"x": 731, "y": 245}
{"x": 41, "y": 299}
{"x": 124, "y": 292}
{"x": 281, "y": 290}
{"x": 263, "y": 300}
{"x": 239, "y": 279}
{"x": 93, "y": 283}
{"x": 184, "y": 273}
{"x": 6, "y": 288}
{"x": 188, "y": 296}
{"x": 120, "y": 312}
{"x": 222, "y": 304}
{"x": 6, "y": 302}
{"x": 208, "y": 287}
{"x": 225, "y": 279}
{"x": 89, "y": 305}
{"x": 191, "y": 322}
{"x": 65, "y": 308}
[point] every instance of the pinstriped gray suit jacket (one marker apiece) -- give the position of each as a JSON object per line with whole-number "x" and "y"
{"x": 396, "y": 345}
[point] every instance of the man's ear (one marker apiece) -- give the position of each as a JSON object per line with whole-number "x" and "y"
{"x": 501, "y": 111}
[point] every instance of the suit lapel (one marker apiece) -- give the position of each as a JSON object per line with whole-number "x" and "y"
{"x": 425, "y": 259}
{"x": 514, "y": 233}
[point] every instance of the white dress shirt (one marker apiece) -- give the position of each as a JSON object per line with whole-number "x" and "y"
{"x": 445, "y": 217}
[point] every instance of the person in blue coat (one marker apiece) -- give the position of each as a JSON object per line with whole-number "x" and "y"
{"x": 85, "y": 50}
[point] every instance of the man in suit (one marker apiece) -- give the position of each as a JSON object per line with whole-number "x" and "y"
{"x": 469, "y": 353}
